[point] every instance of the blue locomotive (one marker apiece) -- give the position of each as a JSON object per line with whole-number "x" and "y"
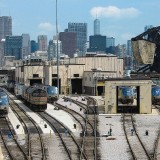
{"x": 52, "y": 93}
{"x": 4, "y": 103}
{"x": 126, "y": 94}
{"x": 155, "y": 94}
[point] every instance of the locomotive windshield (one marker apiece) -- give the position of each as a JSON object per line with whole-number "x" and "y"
{"x": 39, "y": 93}
{"x": 127, "y": 91}
{"x": 3, "y": 98}
{"x": 156, "y": 91}
{"x": 52, "y": 90}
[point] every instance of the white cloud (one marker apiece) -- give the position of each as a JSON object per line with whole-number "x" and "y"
{"x": 46, "y": 26}
{"x": 114, "y": 12}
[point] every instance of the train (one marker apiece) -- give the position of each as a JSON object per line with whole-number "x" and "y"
{"x": 126, "y": 94}
{"x": 18, "y": 90}
{"x": 155, "y": 95}
{"x": 52, "y": 93}
{"x": 10, "y": 85}
{"x": 35, "y": 97}
{"x": 4, "y": 103}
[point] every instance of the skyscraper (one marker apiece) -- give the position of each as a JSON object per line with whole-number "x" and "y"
{"x": 26, "y": 46}
{"x": 13, "y": 46}
{"x": 5, "y": 26}
{"x": 52, "y": 49}
{"x": 68, "y": 40}
{"x": 96, "y": 27}
{"x": 42, "y": 43}
{"x": 18, "y": 46}
{"x": 81, "y": 30}
{"x": 110, "y": 42}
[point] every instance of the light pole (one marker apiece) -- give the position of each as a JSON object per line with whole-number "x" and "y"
{"x": 57, "y": 52}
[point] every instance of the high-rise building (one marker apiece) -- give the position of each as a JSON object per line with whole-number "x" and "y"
{"x": 13, "y": 46}
{"x": 18, "y": 46}
{"x": 81, "y": 31}
{"x": 42, "y": 42}
{"x": 34, "y": 46}
{"x": 68, "y": 40}
{"x": 96, "y": 27}
{"x": 97, "y": 43}
{"x": 52, "y": 49}
{"x": 5, "y": 26}
{"x": 26, "y": 46}
{"x": 110, "y": 42}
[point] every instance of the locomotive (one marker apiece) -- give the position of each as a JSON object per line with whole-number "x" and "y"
{"x": 155, "y": 94}
{"x": 126, "y": 95}
{"x": 18, "y": 90}
{"x": 10, "y": 85}
{"x": 52, "y": 92}
{"x": 35, "y": 97}
{"x": 4, "y": 103}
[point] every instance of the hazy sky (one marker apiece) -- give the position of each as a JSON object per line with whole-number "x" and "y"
{"x": 121, "y": 19}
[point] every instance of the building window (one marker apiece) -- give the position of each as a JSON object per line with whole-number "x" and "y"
{"x": 35, "y": 75}
{"x": 76, "y": 75}
{"x": 54, "y": 75}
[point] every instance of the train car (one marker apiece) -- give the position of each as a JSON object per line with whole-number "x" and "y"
{"x": 4, "y": 103}
{"x": 126, "y": 95}
{"x": 156, "y": 95}
{"x": 10, "y": 85}
{"x": 35, "y": 97}
{"x": 18, "y": 90}
{"x": 52, "y": 93}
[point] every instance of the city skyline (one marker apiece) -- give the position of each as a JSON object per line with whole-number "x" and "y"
{"x": 121, "y": 20}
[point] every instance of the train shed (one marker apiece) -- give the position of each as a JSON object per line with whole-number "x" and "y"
{"x": 142, "y": 101}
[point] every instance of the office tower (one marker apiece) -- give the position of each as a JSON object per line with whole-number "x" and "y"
{"x": 97, "y": 43}
{"x": 13, "y": 46}
{"x": 34, "y": 46}
{"x": 96, "y": 27}
{"x": 81, "y": 32}
{"x": 5, "y": 26}
{"x": 110, "y": 42}
{"x": 68, "y": 40}
{"x": 52, "y": 49}
{"x": 18, "y": 46}
{"x": 42, "y": 43}
{"x": 26, "y": 47}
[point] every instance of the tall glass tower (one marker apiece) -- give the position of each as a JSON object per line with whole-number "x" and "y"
{"x": 96, "y": 27}
{"x": 81, "y": 32}
{"x": 5, "y": 26}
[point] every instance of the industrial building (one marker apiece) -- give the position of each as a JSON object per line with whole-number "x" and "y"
{"x": 75, "y": 74}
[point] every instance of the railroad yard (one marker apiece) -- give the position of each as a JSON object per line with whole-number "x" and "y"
{"x": 71, "y": 129}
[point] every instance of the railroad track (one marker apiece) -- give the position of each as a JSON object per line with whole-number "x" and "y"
{"x": 34, "y": 148}
{"x": 13, "y": 149}
{"x": 136, "y": 146}
{"x": 88, "y": 144}
{"x": 69, "y": 143}
{"x": 156, "y": 154}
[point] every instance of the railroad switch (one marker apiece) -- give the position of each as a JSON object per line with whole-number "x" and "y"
{"x": 45, "y": 125}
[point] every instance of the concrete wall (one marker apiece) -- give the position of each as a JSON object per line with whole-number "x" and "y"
{"x": 145, "y": 94}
